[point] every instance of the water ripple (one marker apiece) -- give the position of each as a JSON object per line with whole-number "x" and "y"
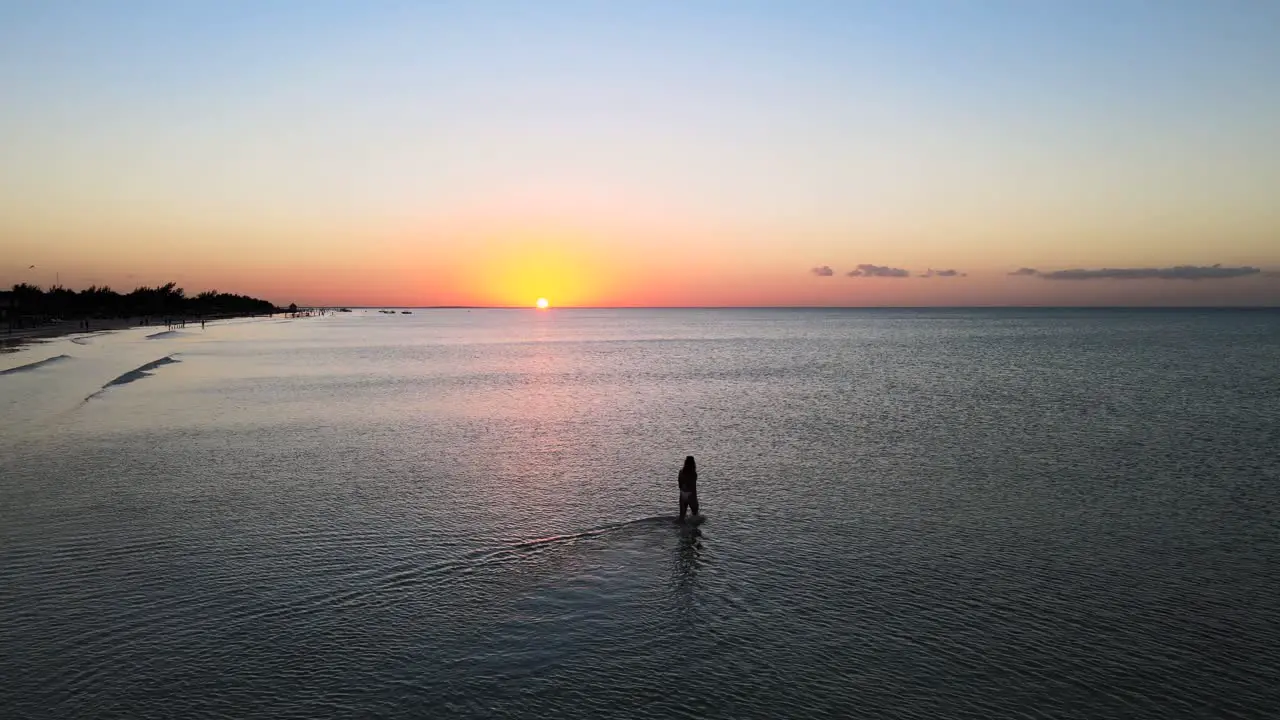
{"x": 994, "y": 517}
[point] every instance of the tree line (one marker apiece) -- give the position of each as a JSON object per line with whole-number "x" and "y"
{"x": 167, "y": 300}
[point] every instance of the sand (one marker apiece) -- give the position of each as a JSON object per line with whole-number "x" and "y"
{"x": 10, "y": 341}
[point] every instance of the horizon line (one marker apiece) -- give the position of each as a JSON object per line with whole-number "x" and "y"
{"x": 796, "y": 307}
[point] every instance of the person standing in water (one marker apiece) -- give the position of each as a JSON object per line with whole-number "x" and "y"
{"x": 688, "y": 487}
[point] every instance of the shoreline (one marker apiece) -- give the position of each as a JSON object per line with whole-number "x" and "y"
{"x": 13, "y": 341}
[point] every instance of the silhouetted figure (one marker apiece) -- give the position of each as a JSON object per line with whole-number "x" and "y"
{"x": 688, "y": 487}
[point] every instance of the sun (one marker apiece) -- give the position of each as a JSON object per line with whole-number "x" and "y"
{"x": 542, "y": 304}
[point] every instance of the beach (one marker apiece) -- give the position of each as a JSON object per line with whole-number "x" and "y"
{"x": 13, "y": 339}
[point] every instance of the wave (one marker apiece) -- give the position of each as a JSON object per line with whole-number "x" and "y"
{"x": 515, "y": 550}
{"x": 135, "y": 374}
{"x": 165, "y": 334}
{"x": 359, "y": 587}
{"x": 35, "y": 365}
{"x": 603, "y": 529}
{"x": 404, "y": 575}
{"x": 518, "y": 549}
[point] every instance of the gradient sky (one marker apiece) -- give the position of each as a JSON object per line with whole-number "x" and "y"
{"x": 644, "y": 153}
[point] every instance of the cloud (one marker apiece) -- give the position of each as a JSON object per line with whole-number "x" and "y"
{"x": 865, "y": 270}
{"x": 942, "y": 273}
{"x": 824, "y": 271}
{"x": 1179, "y": 272}
{"x": 1025, "y": 271}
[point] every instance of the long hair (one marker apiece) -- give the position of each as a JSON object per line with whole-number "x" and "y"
{"x": 689, "y": 465}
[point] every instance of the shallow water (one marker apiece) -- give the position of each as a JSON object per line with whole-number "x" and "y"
{"x": 909, "y": 514}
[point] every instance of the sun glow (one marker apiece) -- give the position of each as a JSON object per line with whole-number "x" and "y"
{"x": 542, "y": 304}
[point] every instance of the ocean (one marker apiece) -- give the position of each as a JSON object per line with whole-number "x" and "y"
{"x": 469, "y": 514}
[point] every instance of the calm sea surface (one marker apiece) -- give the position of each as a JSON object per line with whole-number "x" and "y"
{"x": 909, "y": 514}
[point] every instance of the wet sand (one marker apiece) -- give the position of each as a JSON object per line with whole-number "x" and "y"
{"x": 11, "y": 341}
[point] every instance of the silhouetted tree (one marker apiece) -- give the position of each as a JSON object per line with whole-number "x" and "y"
{"x": 37, "y": 304}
